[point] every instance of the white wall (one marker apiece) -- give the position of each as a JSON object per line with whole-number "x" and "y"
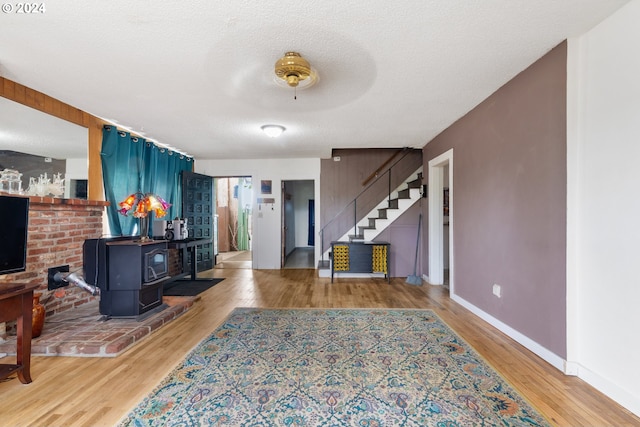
{"x": 266, "y": 239}
{"x": 604, "y": 206}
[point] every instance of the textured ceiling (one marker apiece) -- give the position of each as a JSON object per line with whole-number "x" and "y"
{"x": 198, "y": 75}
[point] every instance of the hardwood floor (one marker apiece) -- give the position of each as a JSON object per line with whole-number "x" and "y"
{"x": 99, "y": 391}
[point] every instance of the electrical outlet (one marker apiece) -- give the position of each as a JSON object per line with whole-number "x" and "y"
{"x": 497, "y": 291}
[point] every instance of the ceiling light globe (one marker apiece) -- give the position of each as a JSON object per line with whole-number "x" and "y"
{"x": 272, "y": 131}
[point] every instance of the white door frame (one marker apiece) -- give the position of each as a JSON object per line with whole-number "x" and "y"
{"x": 436, "y": 222}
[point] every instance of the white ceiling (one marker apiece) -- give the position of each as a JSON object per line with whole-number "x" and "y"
{"x": 198, "y": 75}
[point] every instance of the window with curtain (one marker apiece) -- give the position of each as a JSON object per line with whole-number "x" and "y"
{"x": 131, "y": 164}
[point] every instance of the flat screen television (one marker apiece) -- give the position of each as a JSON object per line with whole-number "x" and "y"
{"x": 14, "y": 219}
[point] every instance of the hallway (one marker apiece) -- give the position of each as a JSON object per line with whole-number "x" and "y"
{"x": 300, "y": 258}
{"x": 234, "y": 259}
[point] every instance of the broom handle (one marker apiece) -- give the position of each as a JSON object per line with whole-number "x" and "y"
{"x": 415, "y": 262}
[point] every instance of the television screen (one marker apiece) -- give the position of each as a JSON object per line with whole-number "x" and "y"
{"x": 14, "y": 218}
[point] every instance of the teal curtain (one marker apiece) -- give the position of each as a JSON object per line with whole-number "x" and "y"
{"x": 131, "y": 164}
{"x": 163, "y": 176}
{"x": 244, "y": 213}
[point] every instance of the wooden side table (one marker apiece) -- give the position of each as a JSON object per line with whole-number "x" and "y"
{"x": 16, "y": 302}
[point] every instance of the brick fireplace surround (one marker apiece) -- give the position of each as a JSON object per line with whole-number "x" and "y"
{"x": 56, "y": 233}
{"x": 57, "y": 230}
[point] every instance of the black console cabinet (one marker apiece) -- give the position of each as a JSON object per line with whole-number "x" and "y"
{"x": 360, "y": 257}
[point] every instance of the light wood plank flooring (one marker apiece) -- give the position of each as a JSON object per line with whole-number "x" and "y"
{"x": 98, "y": 392}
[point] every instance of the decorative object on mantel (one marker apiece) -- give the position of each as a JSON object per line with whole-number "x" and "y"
{"x": 141, "y": 204}
{"x": 43, "y": 186}
{"x": 10, "y": 181}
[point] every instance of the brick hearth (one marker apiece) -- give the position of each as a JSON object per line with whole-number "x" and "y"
{"x": 82, "y": 331}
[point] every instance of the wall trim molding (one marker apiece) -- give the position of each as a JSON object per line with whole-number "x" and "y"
{"x": 435, "y": 219}
{"x": 540, "y": 351}
{"x": 612, "y": 390}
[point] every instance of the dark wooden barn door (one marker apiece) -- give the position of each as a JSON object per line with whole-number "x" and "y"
{"x": 197, "y": 208}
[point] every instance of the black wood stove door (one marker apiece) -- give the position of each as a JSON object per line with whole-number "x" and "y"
{"x": 197, "y": 208}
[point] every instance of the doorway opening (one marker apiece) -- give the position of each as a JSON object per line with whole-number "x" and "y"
{"x": 233, "y": 222}
{"x": 298, "y": 224}
{"x": 441, "y": 263}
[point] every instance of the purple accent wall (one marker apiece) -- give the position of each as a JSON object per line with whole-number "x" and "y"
{"x": 509, "y": 201}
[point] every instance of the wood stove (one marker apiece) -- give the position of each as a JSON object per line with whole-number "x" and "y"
{"x": 130, "y": 274}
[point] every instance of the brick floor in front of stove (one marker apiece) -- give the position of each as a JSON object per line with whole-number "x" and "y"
{"x": 83, "y": 332}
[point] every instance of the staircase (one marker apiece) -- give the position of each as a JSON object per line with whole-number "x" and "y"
{"x": 389, "y": 209}
{"x": 380, "y": 217}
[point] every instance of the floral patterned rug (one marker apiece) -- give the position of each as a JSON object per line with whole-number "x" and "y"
{"x": 334, "y": 367}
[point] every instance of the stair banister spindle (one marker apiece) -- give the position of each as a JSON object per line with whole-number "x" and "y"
{"x": 389, "y": 192}
{"x": 355, "y": 217}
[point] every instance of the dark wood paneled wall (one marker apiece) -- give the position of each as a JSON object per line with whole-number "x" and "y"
{"x": 341, "y": 181}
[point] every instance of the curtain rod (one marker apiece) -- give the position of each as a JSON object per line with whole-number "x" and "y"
{"x": 156, "y": 143}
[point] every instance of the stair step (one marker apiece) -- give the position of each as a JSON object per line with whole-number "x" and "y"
{"x": 416, "y": 183}
{"x": 404, "y": 194}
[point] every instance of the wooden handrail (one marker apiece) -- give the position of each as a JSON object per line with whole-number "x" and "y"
{"x": 382, "y": 166}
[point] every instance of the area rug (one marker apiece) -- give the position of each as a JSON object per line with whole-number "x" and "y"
{"x": 189, "y": 288}
{"x": 338, "y": 367}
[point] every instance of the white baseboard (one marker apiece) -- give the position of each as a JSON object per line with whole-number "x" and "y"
{"x": 611, "y": 390}
{"x": 548, "y": 356}
{"x": 571, "y": 368}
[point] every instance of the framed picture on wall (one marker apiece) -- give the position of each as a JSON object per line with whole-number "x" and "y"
{"x": 265, "y": 186}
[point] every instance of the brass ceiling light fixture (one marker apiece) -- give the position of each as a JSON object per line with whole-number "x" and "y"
{"x": 295, "y": 71}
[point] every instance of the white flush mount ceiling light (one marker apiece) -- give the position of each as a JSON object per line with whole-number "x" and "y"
{"x": 273, "y": 131}
{"x": 293, "y": 71}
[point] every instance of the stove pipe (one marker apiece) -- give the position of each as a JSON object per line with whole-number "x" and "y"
{"x": 77, "y": 280}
